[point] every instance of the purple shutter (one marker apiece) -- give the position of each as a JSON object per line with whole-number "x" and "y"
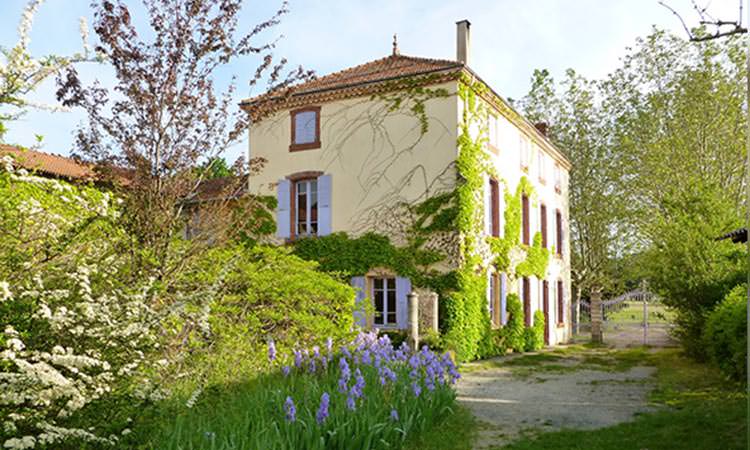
{"x": 403, "y": 288}
{"x": 358, "y": 283}
{"x": 324, "y": 205}
{"x": 283, "y": 225}
{"x": 503, "y": 293}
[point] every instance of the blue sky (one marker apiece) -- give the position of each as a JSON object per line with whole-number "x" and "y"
{"x": 510, "y": 38}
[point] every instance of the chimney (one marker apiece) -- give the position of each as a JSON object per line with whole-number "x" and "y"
{"x": 542, "y": 127}
{"x": 463, "y": 41}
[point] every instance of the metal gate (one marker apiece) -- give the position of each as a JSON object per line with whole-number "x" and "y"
{"x": 634, "y": 318}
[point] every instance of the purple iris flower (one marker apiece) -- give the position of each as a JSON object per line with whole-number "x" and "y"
{"x": 350, "y": 403}
{"x": 271, "y": 350}
{"x": 394, "y": 415}
{"x": 323, "y": 409}
{"x": 291, "y": 411}
{"x": 285, "y": 370}
{"x": 416, "y": 389}
{"x": 297, "y": 358}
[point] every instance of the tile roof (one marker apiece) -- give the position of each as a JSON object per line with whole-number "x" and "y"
{"x": 48, "y": 164}
{"x": 353, "y": 79}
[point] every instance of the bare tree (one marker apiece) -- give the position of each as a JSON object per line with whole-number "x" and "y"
{"x": 165, "y": 115}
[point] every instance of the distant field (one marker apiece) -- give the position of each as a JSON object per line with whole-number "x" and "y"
{"x": 633, "y": 312}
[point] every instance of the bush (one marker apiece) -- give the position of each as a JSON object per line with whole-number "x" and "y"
{"x": 514, "y": 329}
{"x": 534, "y": 335}
{"x": 725, "y": 336}
{"x": 261, "y": 293}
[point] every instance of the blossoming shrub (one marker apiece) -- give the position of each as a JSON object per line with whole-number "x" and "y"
{"x": 725, "y": 336}
{"x": 64, "y": 349}
{"x": 363, "y": 395}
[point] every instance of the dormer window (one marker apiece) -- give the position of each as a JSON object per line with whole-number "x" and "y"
{"x": 305, "y": 129}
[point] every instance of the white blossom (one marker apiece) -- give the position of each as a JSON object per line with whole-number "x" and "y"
{"x": 5, "y": 293}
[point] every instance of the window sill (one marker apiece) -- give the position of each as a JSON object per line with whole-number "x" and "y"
{"x": 300, "y": 147}
{"x": 560, "y": 325}
{"x": 493, "y": 149}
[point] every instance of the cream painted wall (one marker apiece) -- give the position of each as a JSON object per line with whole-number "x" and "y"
{"x": 376, "y": 158}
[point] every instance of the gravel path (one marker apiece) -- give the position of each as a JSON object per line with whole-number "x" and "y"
{"x": 549, "y": 398}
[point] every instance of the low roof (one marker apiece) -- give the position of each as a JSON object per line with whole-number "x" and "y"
{"x": 48, "y": 164}
{"x": 737, "y": 236}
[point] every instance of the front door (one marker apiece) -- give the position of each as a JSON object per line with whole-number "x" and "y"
{"x": 545, "y": 298}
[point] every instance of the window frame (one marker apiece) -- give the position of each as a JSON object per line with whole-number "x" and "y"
{"x": 559, "y": 234}
{"x": 558, "y": 178}
{"x": 525, "y": 145}
{"x": 543, "y": 224}
{"x": 493, "y": 119}
{"x": 494, "y": 208}
{"x": 542, "y": 169}
{"x": 389, "y": 286}
{"x": 525, "y": 220}
{"x": 293, "y": 146}
{"x": 560, "y": 300}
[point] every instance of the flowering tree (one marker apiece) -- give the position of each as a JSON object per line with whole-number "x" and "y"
{"x": 168, "y": 116}
{"x": 21, "y": 73}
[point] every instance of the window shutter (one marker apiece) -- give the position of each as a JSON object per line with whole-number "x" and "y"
{"x": 543, "y": 219}
{"x": 324, "y": 205}
{"x": 488, "y": 292}
{"x": 526, "y": 232}
{"x": 358, "y": 283}
{"x": 559, "y": 233}
{"x": 403, "y": 288}
{"x": 503, "y": 306}
{"x": 487, "y": 206}
{"x": 305, "y": 127}
{"x": 283, "y": 226}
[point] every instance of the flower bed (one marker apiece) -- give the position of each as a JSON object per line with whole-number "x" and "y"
{"x": 365, "y": 394}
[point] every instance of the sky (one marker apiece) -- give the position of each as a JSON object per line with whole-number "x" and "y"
{"x": 509, "y": 39}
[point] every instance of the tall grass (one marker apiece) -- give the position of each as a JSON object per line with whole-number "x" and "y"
{"x": 377, "y": 398}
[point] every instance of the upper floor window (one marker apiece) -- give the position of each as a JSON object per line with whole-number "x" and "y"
{"x": 525, "y": 225}
{"x": 542, "y": 166}
{"x": 558, "y": 178}
{"x": 494, "y": 209}
{"x": 543, "y": 221}
{"x": 305, "y": 128}
{"x": 384, "y": 299}
{"x": 558, "y": 233}
{"x": 493, "y": 131}
{"x": 306, "y": 207}
{"x": 525, "y": 146}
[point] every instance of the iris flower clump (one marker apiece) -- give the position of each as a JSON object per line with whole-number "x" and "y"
{"x": 363, "y": 394}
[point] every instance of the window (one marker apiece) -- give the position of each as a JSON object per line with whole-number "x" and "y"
{"x": 526, "y": 295}
{"x": 494, "y": 208}
{"x": 543, "y": 221}
{"x": 525, "y": 231}
{"x": 384, "y": 298}
{"x": 493, "y": 131}
{"x": 559, "y": 233}
{"x": 558, "y": 179}
{"x": 545, "y": 309}
{"x": 525, "y": 147}
{"x": 542, "y": 163}
{"x": 560, "y": 303}
{"x": 305, "y": 129}
{"x": 306, "y": 207}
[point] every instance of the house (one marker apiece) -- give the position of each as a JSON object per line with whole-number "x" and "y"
{"x": 424, "y": 152}
{"x": 48, "y": 165}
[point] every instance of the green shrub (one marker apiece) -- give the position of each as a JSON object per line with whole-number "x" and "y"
{"x": 725, "y": 336}
{"x": 534, "y": 335}
{"x": 514, "y": 330}
{"x": 262, "y": 293}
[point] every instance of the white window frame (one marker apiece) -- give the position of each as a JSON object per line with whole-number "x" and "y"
{"x": 311, "y": 188}
{"x": 493, "y": 130}
{"x": 389, "y": 285}
{"x": 525, "y": 147}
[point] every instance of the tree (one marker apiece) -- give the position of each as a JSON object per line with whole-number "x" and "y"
{"x": 167, "y": 115}
{"x": 578, "y": 126}
{"x": 21, "y": 73}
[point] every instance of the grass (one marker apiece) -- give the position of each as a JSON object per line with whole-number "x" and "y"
{"x": 454, "y": 432}
{"x": 633, "y": 312}
{"x": 700, "y": 409}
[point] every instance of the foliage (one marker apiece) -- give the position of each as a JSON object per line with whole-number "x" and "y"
{"x": 164, "y": 115}
{"x": 515, "y": 324}
{"x": 262, "y": 293}
{"x": 534, "y": 335}
{"x": 214, "y": 168}
{"x": 537, "y": 260}
{"x": 49, "y": 223}
{"x": 725, "y": 336}
{"x": 363, "y": 395}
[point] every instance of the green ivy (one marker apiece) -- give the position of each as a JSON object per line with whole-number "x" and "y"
{"x": 534, "y": 335}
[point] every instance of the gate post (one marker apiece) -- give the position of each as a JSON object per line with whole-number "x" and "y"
{"x": 413, "y": 333}
{"x": 596, "y": 316}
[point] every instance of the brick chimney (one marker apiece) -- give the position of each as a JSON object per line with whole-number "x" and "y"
{"x": 542, "y": 127}
{"x": 463, "y": 41}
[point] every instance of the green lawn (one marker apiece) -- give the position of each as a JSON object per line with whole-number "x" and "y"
{"x": 633, "y": 312}
{"x": 700, "y": 411}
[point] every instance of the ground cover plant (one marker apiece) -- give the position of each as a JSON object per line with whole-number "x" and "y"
{"x": 364, "y": 394}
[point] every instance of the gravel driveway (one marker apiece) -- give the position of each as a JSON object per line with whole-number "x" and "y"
{"x": 566, "y": 392}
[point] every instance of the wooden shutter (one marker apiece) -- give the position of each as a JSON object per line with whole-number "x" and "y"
{"x": 495, "y": 207}
{"x": 283, "y": 218}
{"x": 560, "y": 303}
{"x": 526, "y": 302}
{"x": 359, "y": 283}
{"x": 324, "y": 205}
{"x": 545, "y": 306}
{"x": 526, "y": 234}
{"x": 543, "y": 218}
{"x": 503, "y": 301}
{"x": 403, "y": 288}
{"x": 558, "y": 224}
